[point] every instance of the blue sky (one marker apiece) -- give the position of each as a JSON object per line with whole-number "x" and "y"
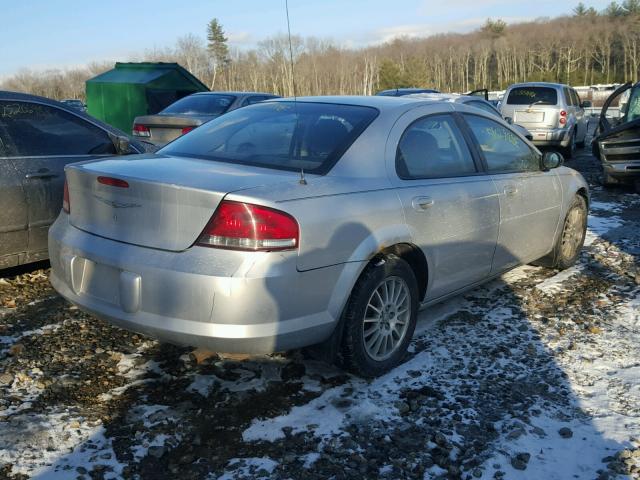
{"x": 40, "y": 34}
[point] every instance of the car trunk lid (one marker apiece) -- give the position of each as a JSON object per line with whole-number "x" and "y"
{"x": 156, "y": 201}
{"x": 166, "y": 128}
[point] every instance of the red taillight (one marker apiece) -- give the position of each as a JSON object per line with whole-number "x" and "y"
{"x": 243, "y": 226}
{"x": 563, "y": 113}
{"x": 562, "y": 121}
{"x": 113, "y": 182}
{"x": 187, "y": 130}
{"x": 140, "y": 130}
{"x": 66, "y": 206}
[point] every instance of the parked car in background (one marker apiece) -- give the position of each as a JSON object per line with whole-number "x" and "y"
{"x": 617, "y": 142}
{"x": 399, "y": 92}
{"x": 38, "y": 137}
{"x": 472, "y": 101}
{"x": 75, "y": 104}
{"x": 190, "y": 112}
{"x": 326, "y": 219}
{"x": 552, "y": 112}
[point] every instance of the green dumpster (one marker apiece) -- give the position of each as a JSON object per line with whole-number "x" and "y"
{"x": 132, "y": 89}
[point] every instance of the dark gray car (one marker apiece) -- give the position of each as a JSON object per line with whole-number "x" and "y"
{"x": 190, "y": 112}
{"x": 38, "y": 137}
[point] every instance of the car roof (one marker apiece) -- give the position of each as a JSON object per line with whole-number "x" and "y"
{"x": 539, "y": 84}
{"x": 235, "y": 93}
{"x": 379, "y": 102}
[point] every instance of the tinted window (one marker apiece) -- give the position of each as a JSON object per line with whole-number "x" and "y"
{"x": 433, "y": 147}
{"x": 576, "y": 98}
{"x": 503, "y": 150}
{"x": 483, "y": 106}
{"x": 282, "y": 135}
{"x": 531, "y": 95}
{"x": 30, "y": 129}
{"x": 207, "y": 104}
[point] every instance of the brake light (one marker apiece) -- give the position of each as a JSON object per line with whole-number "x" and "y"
{"x": 140, "y": 130}
{"x": 66, "y": 206}
{"x": 563, "y": 113}
{"x": 562, "y": 121}
{"x": 243, "y": 226}
{"x": 113, "y": 182}
{"x": 187, "y": 130}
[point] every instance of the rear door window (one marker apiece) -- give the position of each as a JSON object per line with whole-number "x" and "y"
{"x": 503, "y": 150}
{"x": 532, "y": 95}
{"x": 431, "y": 147}
{"x": 282, "y": 135}
{"x": 32, "y": 130}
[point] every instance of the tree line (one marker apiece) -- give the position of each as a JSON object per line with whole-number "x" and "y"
{"x": 583, "y": 48}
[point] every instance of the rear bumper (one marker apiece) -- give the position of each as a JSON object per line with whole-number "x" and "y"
{"x": 226, "y": 301}
{"x": 551, "y": 137}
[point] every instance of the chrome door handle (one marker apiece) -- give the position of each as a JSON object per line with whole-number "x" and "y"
{"x": 40, "y": 175}
{"x": 510, "y": 190}
{"x": 422, "y": 203}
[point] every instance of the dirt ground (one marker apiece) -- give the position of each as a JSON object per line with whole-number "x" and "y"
{"x": 535, "y": 375}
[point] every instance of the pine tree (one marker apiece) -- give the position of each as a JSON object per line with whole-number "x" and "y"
{"x": 217, "y": 48}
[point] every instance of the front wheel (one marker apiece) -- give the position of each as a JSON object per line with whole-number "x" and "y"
{"x": 380, "y": 317}
{"x": 571, "y": 239}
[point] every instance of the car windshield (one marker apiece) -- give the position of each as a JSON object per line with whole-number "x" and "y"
{"x": 208, "y": 104}
{"x": 282, "y": 135}
{"x": 531, "y": 95}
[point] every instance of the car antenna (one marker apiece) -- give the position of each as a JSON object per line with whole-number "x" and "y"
{"x": 302, "y": 180}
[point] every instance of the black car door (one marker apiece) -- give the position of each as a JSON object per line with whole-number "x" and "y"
{"x": 44, "y": 139}
{"x": 13, "y": 214}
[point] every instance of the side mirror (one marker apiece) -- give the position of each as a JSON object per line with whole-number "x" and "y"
{"x": 586, "y": 104}
{"x": 122, "y": 144}
{"x": 551, "y": 160}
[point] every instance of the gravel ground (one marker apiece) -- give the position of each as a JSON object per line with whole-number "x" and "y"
{"x": 535, "y": 375}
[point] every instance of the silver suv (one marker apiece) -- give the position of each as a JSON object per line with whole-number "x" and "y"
{"x": 552, "y": 112}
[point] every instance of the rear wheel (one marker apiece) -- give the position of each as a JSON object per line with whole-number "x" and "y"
{"x": 570, "y": 150}
{"x": 380, "y": 317}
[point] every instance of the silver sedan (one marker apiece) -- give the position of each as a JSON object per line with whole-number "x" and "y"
{"x": 330, "y": 220}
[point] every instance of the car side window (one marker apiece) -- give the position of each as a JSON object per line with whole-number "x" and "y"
{"x": 503, "y": 150}
{"x": 33, "y": 129}
{"x": 433, "y": 146}
{"x": 485, "y": 107}
{"x": 576, "y": 98}
{"x": 567, "y": 96}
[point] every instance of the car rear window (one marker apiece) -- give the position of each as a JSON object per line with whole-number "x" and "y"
{"x": 531, "y": 95}
{"x": 209, "y": 104}
{"x": 281, "y": 135}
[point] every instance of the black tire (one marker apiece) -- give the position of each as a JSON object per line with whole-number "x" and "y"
{"x": 564, "y": 257}
{"x": 354, "y": 352}
{"x": 569, "y": 151}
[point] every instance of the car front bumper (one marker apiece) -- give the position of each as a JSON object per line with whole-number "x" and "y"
{"x": 622, "y": 170}
{"x": 222, "y": 300}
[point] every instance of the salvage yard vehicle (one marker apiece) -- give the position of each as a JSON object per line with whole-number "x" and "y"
{"x": 617, "y": 144}
{"x": 190, "y": 112}
{"x": 326, "y": 220}
{"x": 38, "y": 137}
{"x": 552, "y": 112}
